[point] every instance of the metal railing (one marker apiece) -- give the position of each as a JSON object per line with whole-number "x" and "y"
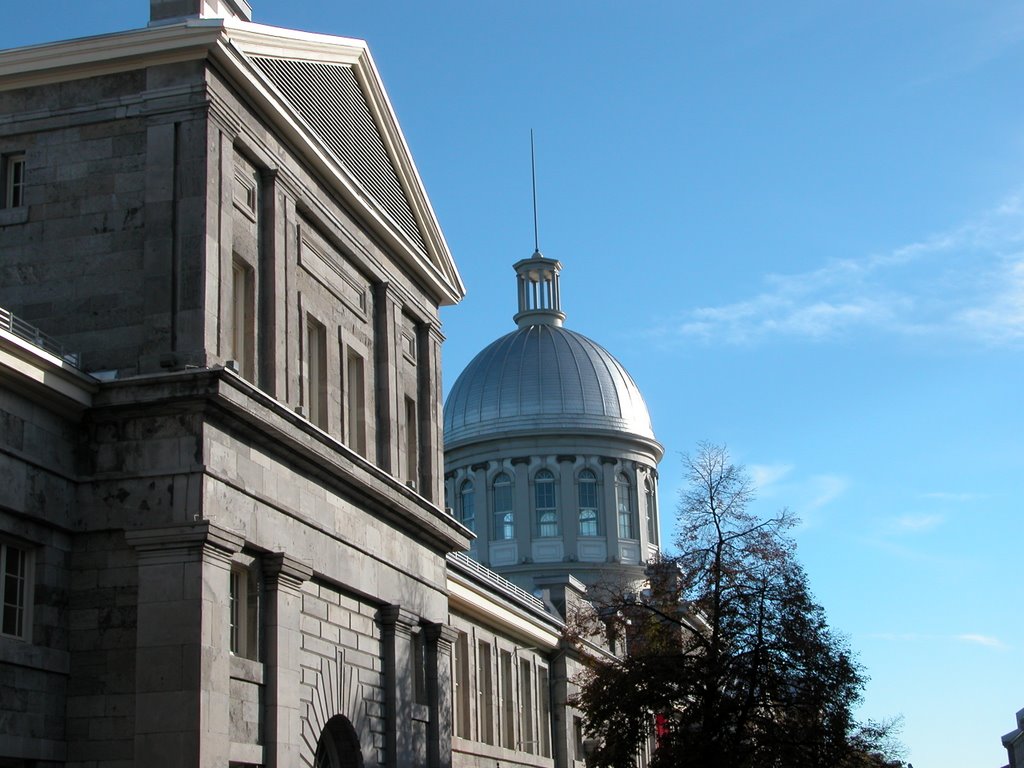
{"x": 490, "y": 578}
{"x": 14, "y": 324}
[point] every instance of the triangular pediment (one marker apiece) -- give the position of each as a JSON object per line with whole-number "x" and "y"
{"x": 329, "y": 89}
{"x": 329, "y": 99}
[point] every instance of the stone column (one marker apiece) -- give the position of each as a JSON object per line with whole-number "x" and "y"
{"x": 270, "y": 295}
{"x": 568, "y": 506}
{"x": 182, "y": 688}
{"x": 439, "y": 692}
{"x": 429, "y": 399}
{"x": 283, "y": 579}
{"x": 611, "y": 511}
{"x": 523, "y": 506}
{"x": 397, "y": 627}
{"x": 484, "y": 512}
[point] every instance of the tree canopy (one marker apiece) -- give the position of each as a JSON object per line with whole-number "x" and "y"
{"x": 724, "y": 653}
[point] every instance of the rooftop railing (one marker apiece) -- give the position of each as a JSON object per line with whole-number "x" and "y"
{"x": 14, "y": 324}
{"x": 491, "y": 579}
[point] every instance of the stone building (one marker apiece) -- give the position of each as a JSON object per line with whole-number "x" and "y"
{"x": 223, "y": 535}
{"x": 549, "y": 452}
{"x": 222, "y": 530}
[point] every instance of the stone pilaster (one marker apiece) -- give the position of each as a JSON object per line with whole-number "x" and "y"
{"x": 182, "y": 692}
{"x": 385, "y": 307}
{"x": 523, "y": 506}
{"x": 611, "y": 513}
{"x": 397, "y": 628}
{"x": 283, "y": 579}
{"x": 568, "y": 506}
{"x": 484, "y": 512}
{"x": 440, "y": 639}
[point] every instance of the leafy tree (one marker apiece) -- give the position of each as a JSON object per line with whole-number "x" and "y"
{"x": 726, "y": 653}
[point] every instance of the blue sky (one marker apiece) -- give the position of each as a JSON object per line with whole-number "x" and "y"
{"x": 800, "y": 225}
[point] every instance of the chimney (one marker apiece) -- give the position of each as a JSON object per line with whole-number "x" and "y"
{"x": 168, "y": 11}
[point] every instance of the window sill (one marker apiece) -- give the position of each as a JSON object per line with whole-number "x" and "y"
{"x": 10, "y": 216}
{"x": 246, "y": 669}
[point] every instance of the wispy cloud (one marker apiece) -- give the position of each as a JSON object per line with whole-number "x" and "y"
{"x": 971, "y": 638}
{"x": 916, "y": 523}
{"x": 764, "y": 476}
{"x": 986, "y": 640}
{"x": 950, "y": 496}
{"x": 966, "y": 283}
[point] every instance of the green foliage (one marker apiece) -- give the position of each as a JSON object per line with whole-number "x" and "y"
{"x": 727, "y": 647}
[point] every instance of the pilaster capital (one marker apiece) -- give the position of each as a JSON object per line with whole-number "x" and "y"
{"x": 441, "y": 634}
{"x": 172, "y": 542}
{"x": 434, "y": 333}
{"x": 283, "y": 570}
{"x": 397, "y": 619}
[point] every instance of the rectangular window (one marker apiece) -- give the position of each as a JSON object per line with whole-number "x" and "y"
{"x": 412, "y": 446}
{"x": 508, "y": 707}
{"x": 242, "y": 317}
{"x": 244, "y": 612}
{"x": 460, "y": 660}
{"x": 577, "y": 737}
{"x": 526, "y": 705}
{"x": 544, "y": 711}
{"x": 316, "y": 372}
{"x": 503, "y": 527}
{"x": 14, "y": 181}
{"x": 652, "y": 513}
{"x": 15, "y": 591}
{"x": 355, "y": 399}
{"x": 485, "y": 692}
{"x": 623, "y": 500}
{"x": 419, "y": 667}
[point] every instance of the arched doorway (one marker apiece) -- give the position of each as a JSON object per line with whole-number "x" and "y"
{"x": 338, "y": 746}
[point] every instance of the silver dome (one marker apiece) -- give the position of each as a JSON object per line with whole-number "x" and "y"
{"x": 543, "y": 378}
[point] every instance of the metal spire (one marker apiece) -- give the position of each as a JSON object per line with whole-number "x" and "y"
{"x": 533, "y": 169}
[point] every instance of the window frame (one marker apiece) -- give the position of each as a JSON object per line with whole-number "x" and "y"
{"x": 546, "y": 515}
{"x": 467, "y": 490}
{"x": 20, "y": 608}
{"x": 651, "y": 494}
{"x": 14, "y": 174}
{"x": 587, "y": 478}
{"x": 625, "y": 518}
{"x": 355, "y": 401}
{"x": 316, "y": 372}
{"x": 245, "y": 604}
{"x": 503, "y": 517}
